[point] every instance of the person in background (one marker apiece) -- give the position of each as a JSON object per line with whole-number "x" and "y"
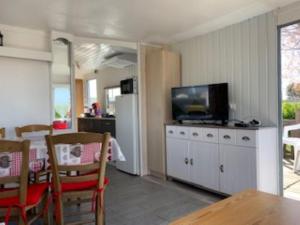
{"x": 96, "y": 108}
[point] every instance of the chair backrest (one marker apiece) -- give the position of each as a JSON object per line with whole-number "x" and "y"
{"x": 73, "y": 139}
{"x": 33, "y": 128}
{"x": 2, "y": 132}
{"x": 8, "y": 148}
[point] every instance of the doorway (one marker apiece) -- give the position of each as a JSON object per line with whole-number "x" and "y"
{"x": 289, "y": 36}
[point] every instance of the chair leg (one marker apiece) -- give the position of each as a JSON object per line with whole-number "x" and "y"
{"x": 297, "y": 156}
{"x": 45, "y": 211}
{"x": 100, "y": 220}
{"x": 21, "y": 222}
{"x": 59, "y": 221}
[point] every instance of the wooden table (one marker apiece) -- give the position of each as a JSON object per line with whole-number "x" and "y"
{"x": 247, "y": 208}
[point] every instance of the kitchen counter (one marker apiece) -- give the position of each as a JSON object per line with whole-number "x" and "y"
{"x": 97, "y": 125}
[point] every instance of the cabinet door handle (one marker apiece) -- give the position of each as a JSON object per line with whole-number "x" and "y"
{"x": 171, "y": 132}
{"x": 222, "y": 168}
{"x": 186, "y": 161}
{"x": 245, "y": 138}
{"x": 209, "y": 135}
{"x": 182, "y": 132}
{"x": 226, "y": 137}
{"x": 195, "y": 134}
{"x": 192, "y": 161}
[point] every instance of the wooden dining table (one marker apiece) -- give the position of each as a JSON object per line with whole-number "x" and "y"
{"x": 250, "y": 207}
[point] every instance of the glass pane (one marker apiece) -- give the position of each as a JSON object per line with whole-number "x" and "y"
{"x": 61, "y": 85}
{"x": 111, "y": 94}
{"x": 92, "y": 91}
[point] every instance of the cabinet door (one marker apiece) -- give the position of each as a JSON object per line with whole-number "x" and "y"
{"x": 177, "y": 158}
{"x": 204, "y": 164}
{"x": 237, "y": 168}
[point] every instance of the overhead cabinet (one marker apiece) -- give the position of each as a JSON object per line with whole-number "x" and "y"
{"x": 223, "y": 160}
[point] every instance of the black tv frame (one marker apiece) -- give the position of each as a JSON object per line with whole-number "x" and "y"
{"x": 221, "y": 121}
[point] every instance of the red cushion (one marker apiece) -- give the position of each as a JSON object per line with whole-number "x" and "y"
{"x": 77, "y": 186}
{"x": 34, "y": 194}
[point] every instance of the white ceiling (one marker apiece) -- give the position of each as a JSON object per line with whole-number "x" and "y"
{"x": 158, "y": 21}
{"x": 89, "y": 56}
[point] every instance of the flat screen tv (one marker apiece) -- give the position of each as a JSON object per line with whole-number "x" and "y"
{"x": 201, "y": 103}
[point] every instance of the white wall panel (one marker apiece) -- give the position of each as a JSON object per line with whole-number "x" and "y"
{"x": 244, "y": 55}
{"x": 24, "y": 93}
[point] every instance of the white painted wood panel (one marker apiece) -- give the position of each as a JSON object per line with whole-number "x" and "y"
{"x": 244, "y": 55}
{"x": 177, "y": 158}
{"x": 239, "y": 168}
{"x": 204, "y": 164}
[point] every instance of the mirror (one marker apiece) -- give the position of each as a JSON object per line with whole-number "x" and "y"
{"x": 61, "y": 84}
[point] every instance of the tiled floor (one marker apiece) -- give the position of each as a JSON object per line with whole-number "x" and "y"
{"x": 146, "y": 201}
{"x": 132, "y": 200}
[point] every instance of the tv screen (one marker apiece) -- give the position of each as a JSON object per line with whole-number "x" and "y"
{"x": 205, "y": 102}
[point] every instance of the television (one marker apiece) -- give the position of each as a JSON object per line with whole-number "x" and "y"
{"x": 201, "y": 103}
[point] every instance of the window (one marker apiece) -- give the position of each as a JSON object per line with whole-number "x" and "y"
{"x": 110, "y": 99}
{"x": 91, "y": 91}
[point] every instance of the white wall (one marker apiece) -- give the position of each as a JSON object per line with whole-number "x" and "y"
{"x": 24, "y": 84}
{"x": 24, "y": 93}
{"x": 244, "y": 55}
{"x": 109, "y": 77}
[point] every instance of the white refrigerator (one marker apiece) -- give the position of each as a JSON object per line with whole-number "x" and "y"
{"x": 127, "y": 132}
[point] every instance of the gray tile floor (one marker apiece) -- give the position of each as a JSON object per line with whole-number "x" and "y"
{"x": 132, "y": 200}
{"x": 147, "y": 201}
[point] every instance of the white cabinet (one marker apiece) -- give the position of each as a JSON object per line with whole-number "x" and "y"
{"x": 177, "y": 158}
{"x": 222, "y": 159}
{"x": 204, "y": 161}
{"x": 237, "y": 168}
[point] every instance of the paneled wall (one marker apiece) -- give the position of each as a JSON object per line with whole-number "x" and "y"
{"x": 245, "y": 56}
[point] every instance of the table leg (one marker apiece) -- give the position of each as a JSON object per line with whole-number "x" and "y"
{"x": 297, "y": 156}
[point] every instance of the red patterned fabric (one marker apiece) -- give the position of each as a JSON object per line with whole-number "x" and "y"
{"x": 37, "y": 157}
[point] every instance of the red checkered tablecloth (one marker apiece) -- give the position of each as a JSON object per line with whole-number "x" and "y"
{"x": 38, "y": 156}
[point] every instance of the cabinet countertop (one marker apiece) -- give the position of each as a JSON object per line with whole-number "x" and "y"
{"x": 96, "y": 118}
{"x": 216, "y": 126}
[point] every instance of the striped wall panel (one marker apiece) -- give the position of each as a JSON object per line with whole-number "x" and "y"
{"x": 245, "y": 56}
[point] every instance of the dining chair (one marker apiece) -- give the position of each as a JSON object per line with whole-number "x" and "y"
{"x": 18, "y": 197}
{"x": 88, "y": 182}
{"x": 2, "y": 132}
{"x": 33, "y": 128}
{"x": 43, "y": 175}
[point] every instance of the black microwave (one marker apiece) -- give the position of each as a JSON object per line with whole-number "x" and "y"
{"x": 128, "y": 86}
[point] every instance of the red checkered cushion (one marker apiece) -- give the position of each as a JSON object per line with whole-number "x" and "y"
{"x": 34, "y": 194}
